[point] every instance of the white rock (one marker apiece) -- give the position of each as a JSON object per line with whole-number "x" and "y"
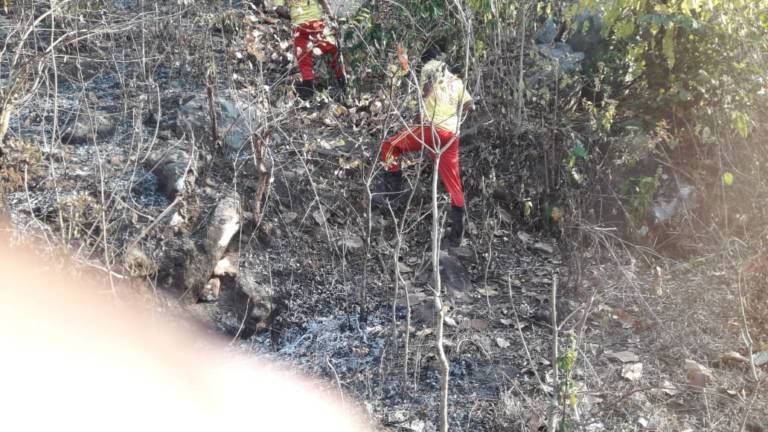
{"x": 623, "y": 356}
{"x": 225, "y": 267}
{"x": 352, "y": 242}
{"x": 176, "y": 220}
{"x": 632, "y": 371}
{"x": 224, "y": 225}
{"x": 210, "y": 292}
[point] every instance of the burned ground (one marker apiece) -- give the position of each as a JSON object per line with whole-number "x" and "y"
{"x": 112, "y": 158}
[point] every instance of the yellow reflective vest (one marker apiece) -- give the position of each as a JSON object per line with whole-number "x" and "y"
{"x": 302, "y": 11}
{"x": 446, "y": 98}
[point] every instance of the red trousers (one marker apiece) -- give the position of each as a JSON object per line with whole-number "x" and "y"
{"x": 413, "y": 139}
{"x": 307, "y": 37}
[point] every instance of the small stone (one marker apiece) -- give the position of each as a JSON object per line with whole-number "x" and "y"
{"x": 525, "y": 237}
{"x": 88, "y": 126}
{"x": 173, "y": 171}
{"x": 290, "y": 217}
{"x": 352, "y": 242}
{"x": 137, "y": 263}
{"x": 225, "y": 267}
{"x": 760, "y": 358}
{"x": 397, "y": 417}
{"x": 319, "y": 217}
{"x": 450, "y": 322}
{"x": 632, "y": 371}
{"x": 176, "y": 220}
{"x": 225, "y": 223}
{"x": 668, "y": 388}
{"x": 544, "y": 247}
{"x": 404, "y": 268}
{"x": 416, "y": 426}
{"x": 623, "y": 356}
{"x": 210, "y": 291}
{"x": 697, "y": 374}
{"x": 462, "y": 252}
{"x": 502, "y": 343}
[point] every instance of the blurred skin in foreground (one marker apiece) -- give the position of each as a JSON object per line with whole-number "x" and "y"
{"x": 71, "y": 358}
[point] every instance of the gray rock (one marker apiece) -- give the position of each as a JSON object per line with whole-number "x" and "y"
{"x": 345, "y": 7}
{"x": 235, "y": 121}
{"x": 193, "y": 260}
{"x": 173, "y": 170}
{"x": 760, "y": 358}
{"x": 224, "y": 224}
{"x": 260, "y": 297}
{"x": 553, "y": 60}
{"x": 210, "y": 291}
{"x": 666, "y": 208}
{"x": 547, "y": 32}
{"x": 137, "y": 263}
{"x": 226, "y": 267}
{"x": 88, "y": 126}
{"x": 455, "y": 278}
{"x": 562, "y": 55}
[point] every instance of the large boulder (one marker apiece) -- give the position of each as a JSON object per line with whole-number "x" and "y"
{"x": 191, "y": 261}
{"x": 553, "y": 60}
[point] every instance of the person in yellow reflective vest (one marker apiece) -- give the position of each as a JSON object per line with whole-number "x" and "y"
{"x": 446, "y": 102}
{"x": 311, "y": 38}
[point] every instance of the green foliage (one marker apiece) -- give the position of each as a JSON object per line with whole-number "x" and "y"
{"x": 567, "y": 396}
{"x": 576, "y": 154}
{"x": 685, "y": 56}
{"x": 638, "y": 193}
{"x": 412, "y": 24}
{"x": 566, "y": 361}
{"x": 416, "y": 24}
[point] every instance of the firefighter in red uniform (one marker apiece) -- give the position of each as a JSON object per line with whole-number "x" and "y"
{"x": 445, "y": 102}
{"x": 310, "y": 38}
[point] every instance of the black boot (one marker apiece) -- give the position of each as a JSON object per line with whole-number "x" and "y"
{"x": 306, "y": 90}
{"x": 342, "y": 82}
{"x": 453, "y": 238}
{"x": 340, "y": 94}
{"x": 389, "y": 190}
